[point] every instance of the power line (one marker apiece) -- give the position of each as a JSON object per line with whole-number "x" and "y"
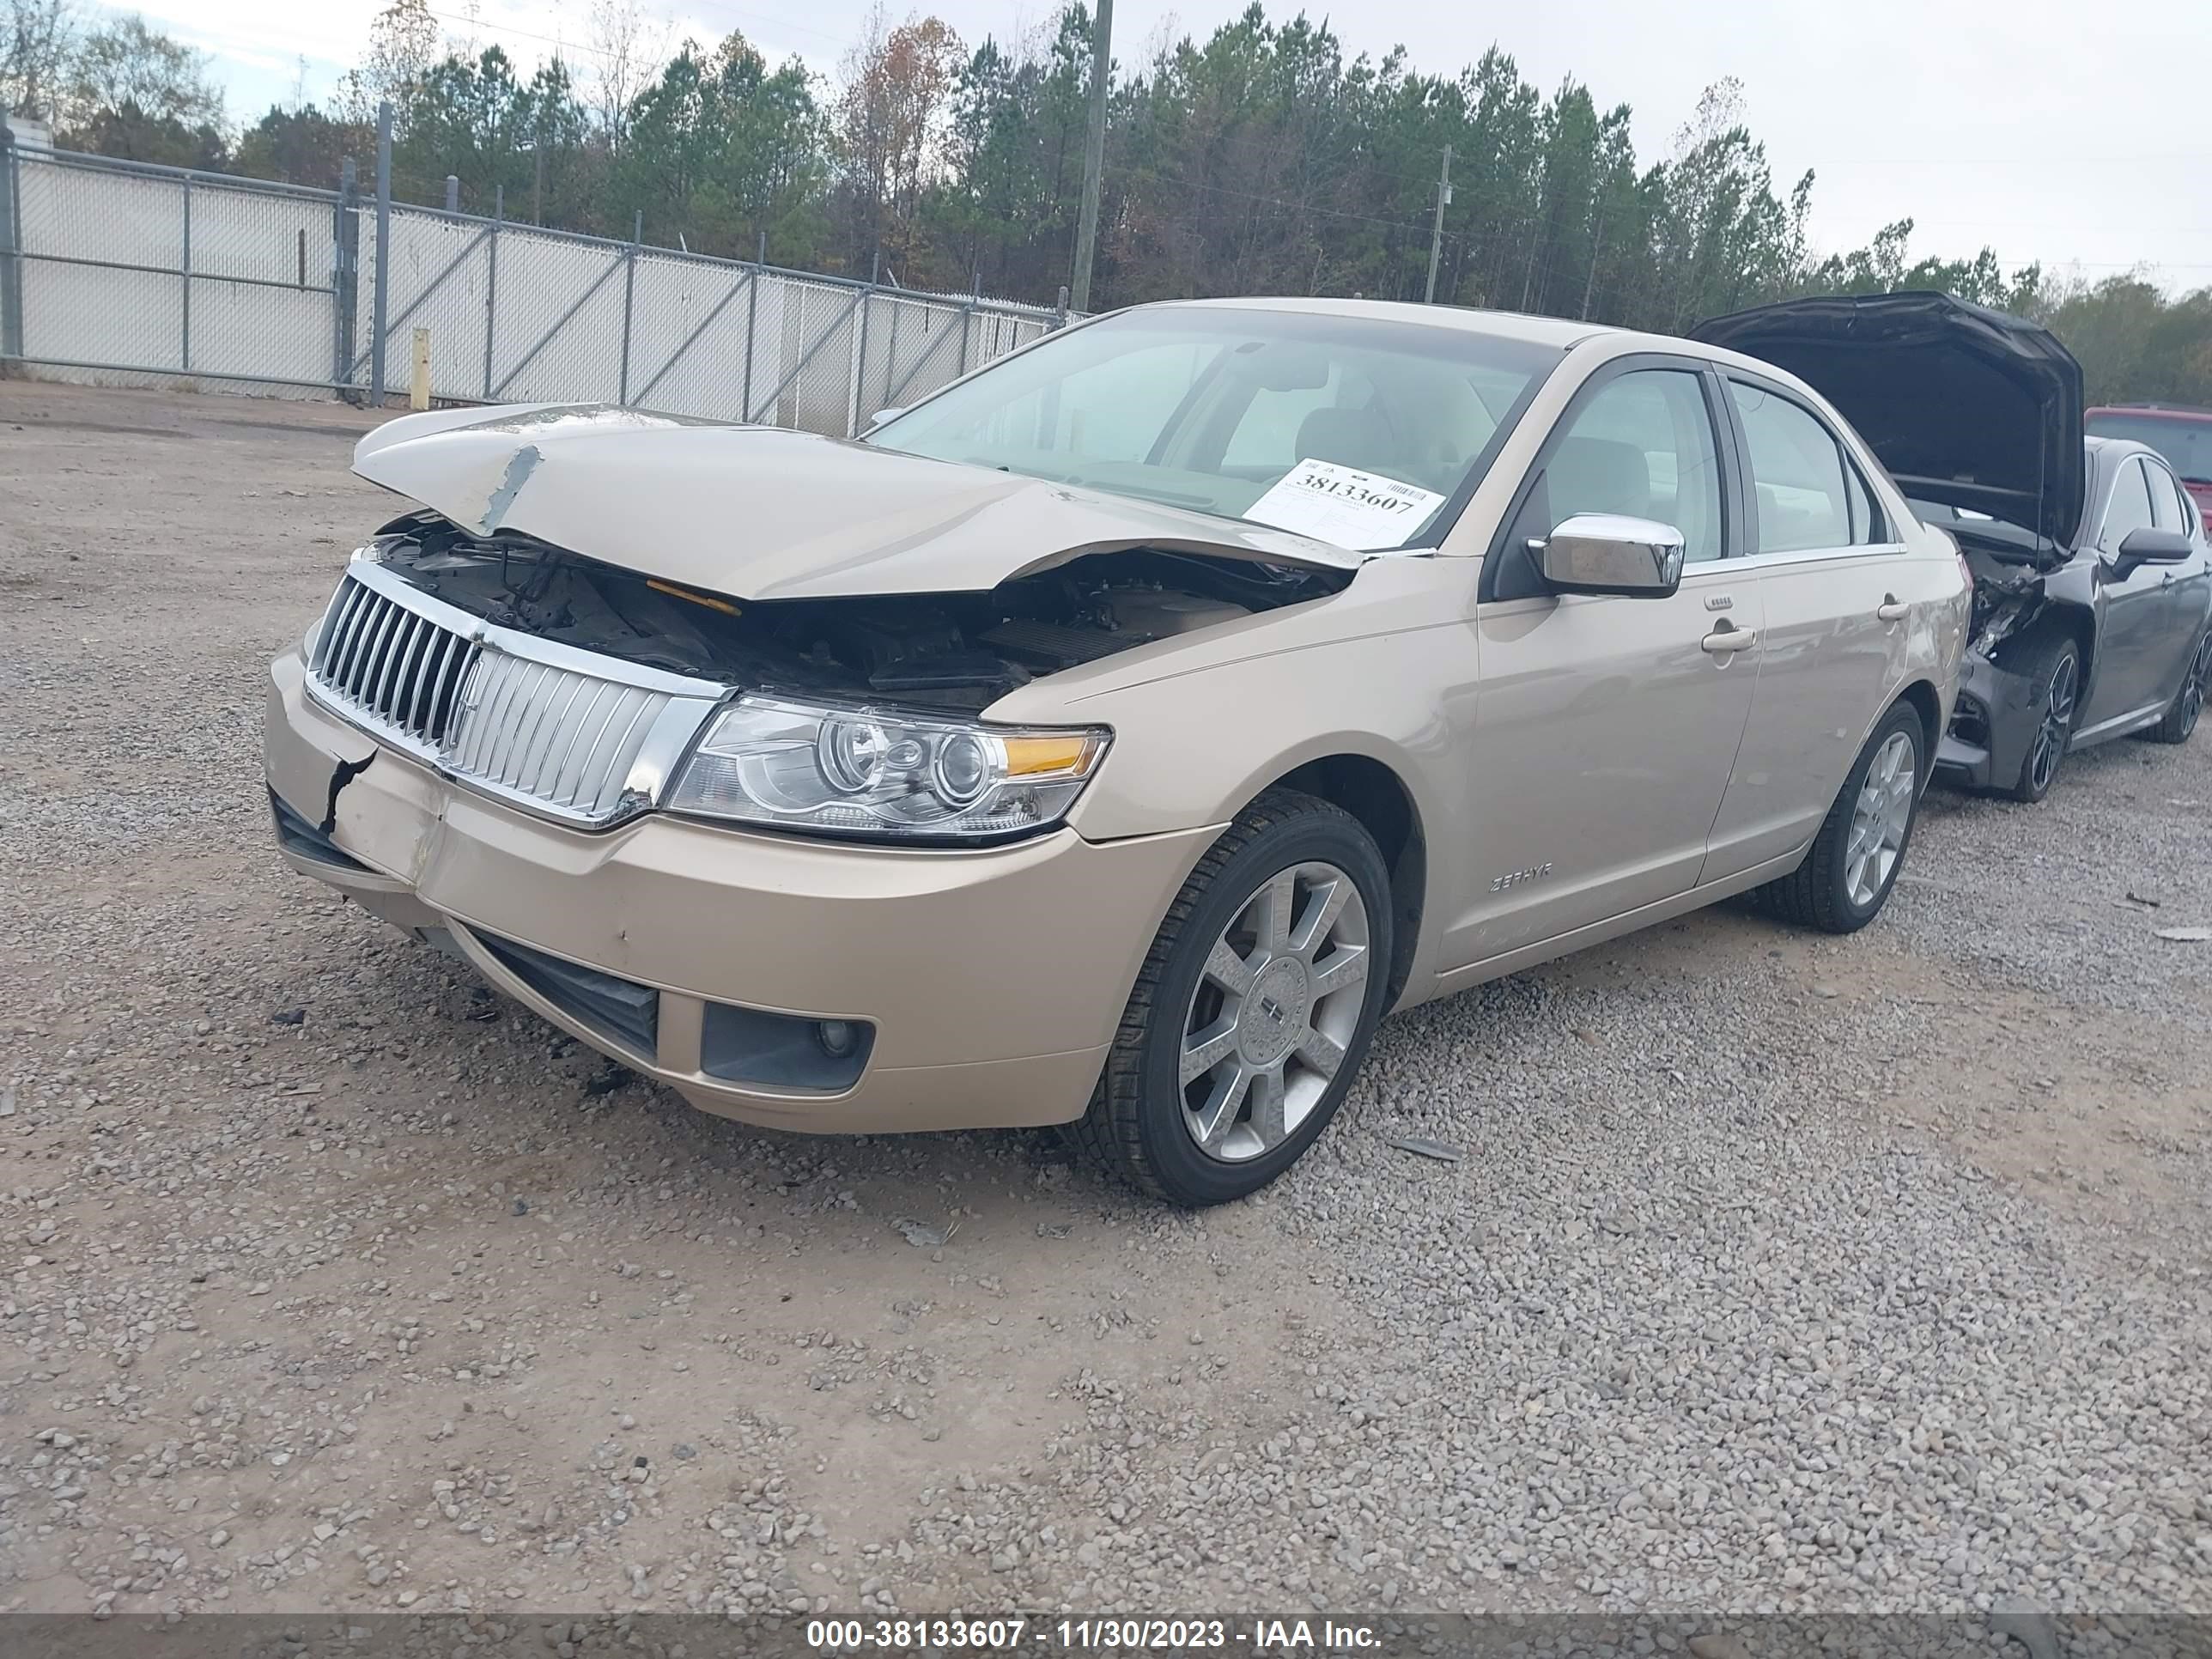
{"x": 2200, "y": 157}
{"x": 479, "y": 24}
{"x": 1283, "y": 202}
{"x": 2131, "y": 264}
{"x": 782, "y": 22}
{"x": 482, "y": 26}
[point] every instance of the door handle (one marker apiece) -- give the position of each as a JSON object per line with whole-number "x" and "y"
{"x": 1727, "y": 639}
{"x": 1891, "y": 610}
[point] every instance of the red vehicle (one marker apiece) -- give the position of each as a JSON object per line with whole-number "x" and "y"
{"x": 2182, "y": 434}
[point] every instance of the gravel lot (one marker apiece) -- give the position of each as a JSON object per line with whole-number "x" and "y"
{"x": 1780, "y": 1272}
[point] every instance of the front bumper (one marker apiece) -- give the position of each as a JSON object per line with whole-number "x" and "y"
{"x": 992, "y": 980}
{"x": 1993, "y": 721}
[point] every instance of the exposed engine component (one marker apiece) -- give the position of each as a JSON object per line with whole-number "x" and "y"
{"x": 962, "y": 650}
{"x": 1056, "y": 644}
{"x": 1158, "y": 612}
{"x": 2007, "y": 596}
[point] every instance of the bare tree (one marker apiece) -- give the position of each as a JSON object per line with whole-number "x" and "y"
{"x": 403, "y": 42}
{"x": 628, "y": 44}
{"x": 892, "y": 124}
{"x": 37, "y": 42}
{"x": 126, "y": 66}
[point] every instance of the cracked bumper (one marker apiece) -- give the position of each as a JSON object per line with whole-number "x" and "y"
{"x": 992, "y": 979}
{"x": 1993, "y": 721}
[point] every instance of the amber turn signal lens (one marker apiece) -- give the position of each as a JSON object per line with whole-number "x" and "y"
{"x": 1027, "y": 757}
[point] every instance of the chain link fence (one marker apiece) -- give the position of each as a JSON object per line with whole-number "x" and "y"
{"x": 120, "y": 271}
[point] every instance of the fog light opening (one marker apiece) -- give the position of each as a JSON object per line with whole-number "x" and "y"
{"x": 783, "y": 1051}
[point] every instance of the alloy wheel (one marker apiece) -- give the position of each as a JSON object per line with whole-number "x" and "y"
{"x": 2192, "y": 685}
{"x": 1879, "y": 818}
{"x": 2057, "y": 722}
{"x": 1276, "y": 1007}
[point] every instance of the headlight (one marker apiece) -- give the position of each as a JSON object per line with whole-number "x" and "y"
{"x": 873, "y": 772}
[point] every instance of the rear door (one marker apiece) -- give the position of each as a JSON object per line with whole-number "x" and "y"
{"x": 1607, "y": 725}
{"x": 2186, "y": 588}
{"x": 1838, "y": 596}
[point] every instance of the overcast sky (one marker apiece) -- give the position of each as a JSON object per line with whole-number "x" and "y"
{"x": 2077, "y": 133}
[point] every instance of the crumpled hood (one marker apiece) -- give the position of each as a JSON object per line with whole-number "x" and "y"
{"x": 1965, "y": 405}
{"x": 758, "y": 512}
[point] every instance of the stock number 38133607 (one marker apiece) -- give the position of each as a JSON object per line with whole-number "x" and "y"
{"x": 859, "y": 1635}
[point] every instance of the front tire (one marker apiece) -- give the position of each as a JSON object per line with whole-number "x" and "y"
{"x": 1853, "y": 862}
{"x": 2188, "y": 702}
{"x": 1253, "y": 1010}
{"x": 2051, "y": 661}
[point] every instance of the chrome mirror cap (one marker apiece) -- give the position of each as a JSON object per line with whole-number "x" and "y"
{"x": 1611, "y": 553}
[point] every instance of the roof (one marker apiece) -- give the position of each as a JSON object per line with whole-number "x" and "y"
{"x": 1500, "y": 324}
{"x": 2155, "y": 411}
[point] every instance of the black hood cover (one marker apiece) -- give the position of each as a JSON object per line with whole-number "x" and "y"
{"x": 1965, "y": 405}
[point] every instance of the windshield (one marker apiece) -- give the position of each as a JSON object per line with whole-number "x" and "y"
{"x": 2186, "y": 445}
{"x": 1361, "y": 432}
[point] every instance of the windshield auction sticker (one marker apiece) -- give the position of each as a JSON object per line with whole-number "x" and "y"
{"x": 1363, "y": 510}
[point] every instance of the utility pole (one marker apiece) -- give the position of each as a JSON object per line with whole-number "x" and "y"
{"x": 1094, "y": 153}
{"x": 1436, "y": 235}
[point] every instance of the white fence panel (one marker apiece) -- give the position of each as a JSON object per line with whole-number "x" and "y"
{"x": 120, "y": 268}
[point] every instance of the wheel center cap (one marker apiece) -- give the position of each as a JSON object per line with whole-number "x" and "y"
{"x": 1274, "y": 1017}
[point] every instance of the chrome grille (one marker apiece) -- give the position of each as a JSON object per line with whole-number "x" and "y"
{"x": 514, "y": 716}
{"x": 399, "y": 669}
{"x": 567, "y": 739}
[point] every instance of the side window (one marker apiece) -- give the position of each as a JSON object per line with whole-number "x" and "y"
{"x": 1801, "y": 486}
{"x": 2129, "y": 509}
{"x": 2172, "y": 505}
{"x": 1643, "y": 447}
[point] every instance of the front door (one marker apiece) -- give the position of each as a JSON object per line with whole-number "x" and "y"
{"x": 2130, "y": 662}
{"x": 1606, "y": 726}
{"x": 2183, "y": 587}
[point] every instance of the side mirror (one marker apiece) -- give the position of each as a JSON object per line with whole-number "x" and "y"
{"x": 1608, "y": 553}
{"x": 2148, "y": 546}
{"x": 882, "y": 417}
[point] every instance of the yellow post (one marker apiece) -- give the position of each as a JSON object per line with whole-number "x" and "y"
{"x": 418, "y": 394}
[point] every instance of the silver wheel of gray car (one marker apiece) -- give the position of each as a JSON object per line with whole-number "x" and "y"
{"x": 2192, "y": 687}
{"x": 1879, "y": 818}
{"x": 1274, "y": 1012}
{"x": 2051, "y": 733}
{"x": 2188, "y": 705}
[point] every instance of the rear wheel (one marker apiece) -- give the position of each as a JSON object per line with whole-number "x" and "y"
{"x": 1252, "y": 1011}
{"x": 1853, "y": 862}
{"x": 2181, "y": 715}
{"x": 2051, "y": 662}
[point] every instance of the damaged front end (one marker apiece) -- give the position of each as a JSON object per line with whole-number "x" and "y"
{"x": 1997, "y": 711}
{"x": 587, "y": 692}
{"x": 591, "y": 613}
{"x": 957, "y": 651}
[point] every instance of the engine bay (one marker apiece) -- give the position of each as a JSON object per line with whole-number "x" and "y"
{"x": 2007, "y": 596}
{"x": 956, "y": 651}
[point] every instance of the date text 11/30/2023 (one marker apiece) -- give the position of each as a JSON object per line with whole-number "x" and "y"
{"x": 1085, "y": 1635}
